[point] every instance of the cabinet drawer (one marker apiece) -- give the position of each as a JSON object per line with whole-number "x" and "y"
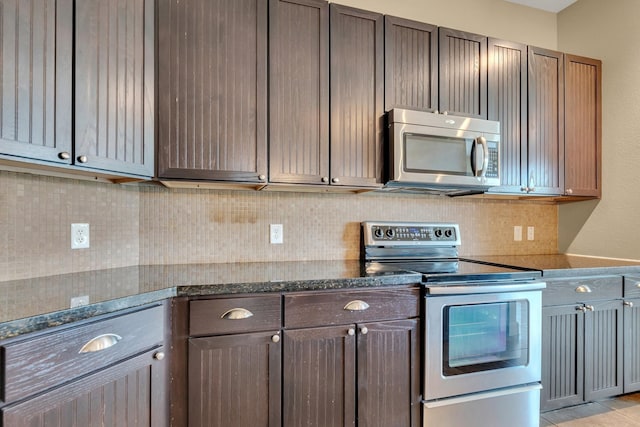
{"x": 36, "y": 364}
{"x": 631, "y": 286}
{"x": 306, "y": 309}
{"x": 581, "y": 289}
{"x": 233, "y": 315}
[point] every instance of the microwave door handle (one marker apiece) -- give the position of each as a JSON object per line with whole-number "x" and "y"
{"x": 485, "y": 156}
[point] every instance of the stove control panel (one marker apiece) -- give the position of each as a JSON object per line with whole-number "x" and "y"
{"x": 414, "y": 234}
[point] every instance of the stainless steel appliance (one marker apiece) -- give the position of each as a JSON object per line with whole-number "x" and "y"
{"x": 441, "y": 153}
{"x": 482, "y": 326}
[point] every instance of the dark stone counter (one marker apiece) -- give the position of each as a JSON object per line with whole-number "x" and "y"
{"x": 564, "y": 265}
{"x": 34, "y": 304}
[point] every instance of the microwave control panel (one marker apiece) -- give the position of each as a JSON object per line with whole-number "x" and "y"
{"x": 493, "y": 166}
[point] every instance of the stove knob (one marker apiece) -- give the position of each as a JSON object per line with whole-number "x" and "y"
{"x": 438, "y": 233}
{"x": 448, "y": 232}
{"x": 391, "y": 233}
{"x": 378, "y": 233}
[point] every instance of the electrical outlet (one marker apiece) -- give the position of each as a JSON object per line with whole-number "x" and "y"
{"x": 530, "y": 231}
{"x": 79, "y": 301}
{"x": 276, "y": 234}
{"x": 80, "y": 236}
{"x": 517, "y": 233}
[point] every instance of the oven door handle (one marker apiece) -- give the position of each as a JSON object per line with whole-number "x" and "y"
{"x": 480, "y": 288}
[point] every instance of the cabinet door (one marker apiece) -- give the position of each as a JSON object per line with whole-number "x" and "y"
{"x": 631, "y": 345}
{"x": 114, "y": 85}
{"x": 319, "y": 381}
{"x": 36, "y": 79}
{"x": 389, "y": 374}
{"x": 212, "y": 81}
{"x": 603, "y": 350}
{"x": 583, "y": 126}
{"x": 562, "y": 356}
{"x": 546, "y": 122}
{"x": 299, "y": 91}
{"x": 508, "y": 105}
{"x": 131, "y": 393}
{"x": 357, "y": 96}
{"x": 234, "y": 380}
{"x": 410, "y": 65}
{"x": 463, "y": 73}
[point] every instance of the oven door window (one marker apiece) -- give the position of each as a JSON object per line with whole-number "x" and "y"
{"x": 482, "y": 337}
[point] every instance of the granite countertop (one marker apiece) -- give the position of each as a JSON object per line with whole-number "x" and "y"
{"x": 561, "y": 265}
{"x": 34, "y": 304}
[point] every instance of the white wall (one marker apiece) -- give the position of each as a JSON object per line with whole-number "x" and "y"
{"x": 494, "y": 18}
{"x": 608, "y": 30}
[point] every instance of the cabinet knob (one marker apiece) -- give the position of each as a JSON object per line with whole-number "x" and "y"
{"x": 569, "y": 191}
{"x": 275, "y": 338}
{"x": 628, "y": 303}
{"x": 83, "y": 159}
{"x": 324, "y": 179}
{"x": 262, "y": 177}
{"x": 581, "y": 308}
{"x": 524, "y": 189}
{"x": 64, "y": 155}
{"x": 335, "y": 180}
{"x": 364, "y": 330}
{"x": 589, "y": 307}
{"x": 351, "y": 331}
{"x": 159, "y": 355}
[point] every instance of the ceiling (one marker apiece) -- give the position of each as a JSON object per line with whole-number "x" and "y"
{"x": 554, "y": 6}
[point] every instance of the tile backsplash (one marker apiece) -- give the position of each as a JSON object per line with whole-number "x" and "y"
{"x": 145, "y": 224}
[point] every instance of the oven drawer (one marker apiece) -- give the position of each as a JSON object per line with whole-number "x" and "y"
{"x": 581, "y": 289}
{"x": 306, "y": 309}
{"x": 222, "y": 316}
{"x": 36, "y": 364}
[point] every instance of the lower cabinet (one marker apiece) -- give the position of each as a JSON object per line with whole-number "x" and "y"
{"x": 107, "y": 371}
{"x": 631, "y": 334}
{"x": 364, "y": 372}
{"x": 582, "y": 341}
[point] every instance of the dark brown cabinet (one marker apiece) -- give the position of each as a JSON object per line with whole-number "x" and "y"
{"x": 582, "y": 343}
{"x": 37, "y": 79}
{"x": 299, "y": 91}
{"x": 507, "y": 87}
{"x": 364, "y": 372}
{"x": 545, "y": 156}
{"x": 463, "y": 73}
{"x": 102, "y": 52}
{"x": 234, "y": 373}
{"x": 411, "y": 64}
{"x": 109, "y": 371}
{"x": 357, "y": 97}
{"x": 583, "y": 126}
{"x": 212, "y": 90}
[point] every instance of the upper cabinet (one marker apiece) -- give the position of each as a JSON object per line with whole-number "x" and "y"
{"x": 583, "y": 125}
{"x": 212, "y": 90}
{"x": 411, "y": 64}
{"x": 114, "y": 85}
{"x": 508, "y": 105}
{"x": 112, "y": 44}
{"x": 36, "y": 85}
{"x": 545, "y": 155}
{"x": 299, "y": 91}
{"x": 357, "y": 96}
{"x": 463, "y": 73}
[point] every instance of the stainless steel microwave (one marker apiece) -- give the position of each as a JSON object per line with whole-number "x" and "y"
{"x": 442, "y": 153}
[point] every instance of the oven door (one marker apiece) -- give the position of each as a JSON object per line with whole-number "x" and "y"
{"x": 480, "y": 342}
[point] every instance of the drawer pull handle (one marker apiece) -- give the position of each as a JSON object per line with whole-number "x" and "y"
{"x": 101, "y": 342}
{"x": 583, "y": 289}
{"x": 236, "y": 314}
{"x": 356, "y": 305}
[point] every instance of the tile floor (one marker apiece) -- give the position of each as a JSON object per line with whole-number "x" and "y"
{"x": 622, "y": 411}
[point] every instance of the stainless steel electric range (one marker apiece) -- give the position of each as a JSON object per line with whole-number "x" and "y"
{"x": 482, "y": 326}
